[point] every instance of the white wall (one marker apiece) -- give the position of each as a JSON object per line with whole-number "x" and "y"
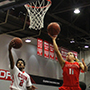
{"x": 85, "y": 77}
{"x": 36, "y": 65}
{"x": 4, "y": 85}
{"x": 87, "y": 74}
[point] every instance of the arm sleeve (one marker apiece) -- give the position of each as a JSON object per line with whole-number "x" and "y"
{"x": 14, "y": 70}
{"x": 28, "y": 82}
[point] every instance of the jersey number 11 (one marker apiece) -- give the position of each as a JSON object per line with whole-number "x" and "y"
{"x": 71, "y": 71}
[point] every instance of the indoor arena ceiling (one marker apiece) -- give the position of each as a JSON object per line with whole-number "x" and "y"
{"x": 73, "y": 26}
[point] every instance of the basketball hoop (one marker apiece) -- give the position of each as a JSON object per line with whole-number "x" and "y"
{"x": 37, "y": 11}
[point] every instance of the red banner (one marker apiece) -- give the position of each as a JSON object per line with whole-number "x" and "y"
{"x": 51, "y": 51}
{"x": 64, "y": 52}
{"x": 5, "y": 75}
{"x": 39, "y": 46}
{"x": 46, "y": 49}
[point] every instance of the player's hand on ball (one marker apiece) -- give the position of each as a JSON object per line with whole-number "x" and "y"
{"x": 53, "y": 37}
{"x": 11, "y": 44}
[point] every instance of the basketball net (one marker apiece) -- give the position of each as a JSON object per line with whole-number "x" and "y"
{"x": 37, "y": 11}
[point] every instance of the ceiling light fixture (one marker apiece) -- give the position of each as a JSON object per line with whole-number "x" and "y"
{"x": 76, "y": 11}
{"x": 28, "y": 40}
{"x": 86, "y": 46}
{"x": 72, "y": 41}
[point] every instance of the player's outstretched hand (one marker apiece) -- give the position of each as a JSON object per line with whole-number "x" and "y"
{"x": 33, "y": 87}
{"x": 83, "y": 62}
{"x": 85, "y": 66}
{"x": 53, "y": 37}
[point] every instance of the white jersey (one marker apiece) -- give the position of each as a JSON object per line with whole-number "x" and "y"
{"x": 20, "y": 80}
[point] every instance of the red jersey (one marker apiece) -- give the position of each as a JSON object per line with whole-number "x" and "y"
{"x": 71, "y": 73}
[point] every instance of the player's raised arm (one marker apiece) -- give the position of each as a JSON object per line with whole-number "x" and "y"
{"x": 16, "y": 43}
{"x": 83, "y": 65}
{"x": 10, "y": 55}
{"x": 59, "y": 56}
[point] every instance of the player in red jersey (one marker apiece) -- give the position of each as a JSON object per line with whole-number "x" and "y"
{"x": 71, "y": 68}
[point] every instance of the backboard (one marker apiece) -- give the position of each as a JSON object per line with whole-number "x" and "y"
{"x": 7, "y": 4}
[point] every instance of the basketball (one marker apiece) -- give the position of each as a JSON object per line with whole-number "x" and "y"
{"x": 17, "y": 42}
{"x": 53, "y": 29}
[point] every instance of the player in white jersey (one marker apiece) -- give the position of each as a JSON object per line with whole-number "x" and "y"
{"x": 20, "y": 79}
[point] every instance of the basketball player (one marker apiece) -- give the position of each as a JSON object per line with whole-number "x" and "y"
{"x": 71, "y": 68}
{"x": 20, "y": 79}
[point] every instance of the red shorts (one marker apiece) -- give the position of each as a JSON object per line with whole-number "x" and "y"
{"x": 69, "y": 88}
